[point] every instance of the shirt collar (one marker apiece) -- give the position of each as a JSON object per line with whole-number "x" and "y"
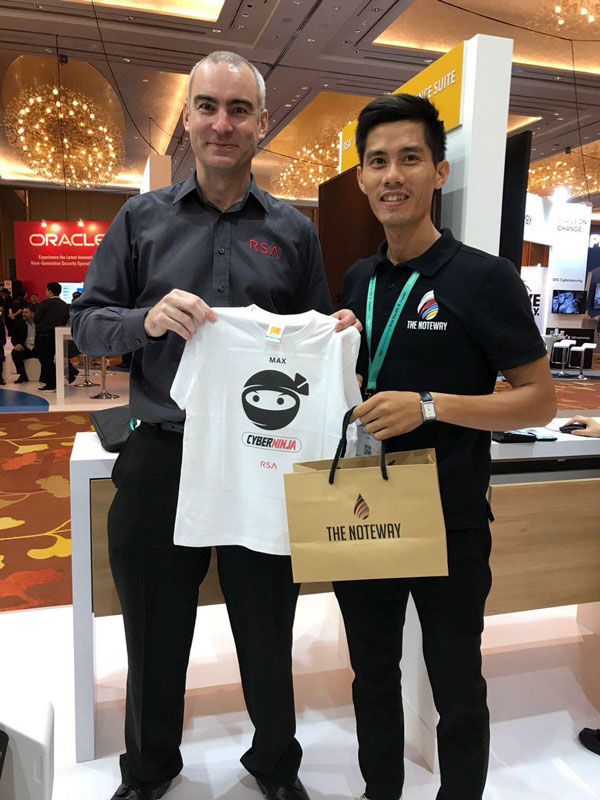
{"x": 191, "y": 185}
{"x": 429, "y": 262}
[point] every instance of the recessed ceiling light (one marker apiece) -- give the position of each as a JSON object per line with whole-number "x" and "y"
{"x": 130, "y": 19}
{"x": 144, "y": 80}
{"x": 310, "y": 40}
{"x": 347, "y": 41}
{"x": 127, "y": 60}
{"x": 240, "y": 27}
{"x": 288, "y": 105}
{"x": 304, "y": 88}
{"x": 325, "y": 85}
{"x": 216, "y": 30}
{"x": 245, "y": 14}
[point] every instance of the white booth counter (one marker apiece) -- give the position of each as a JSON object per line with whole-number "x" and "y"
{"x": 546, "y": 552}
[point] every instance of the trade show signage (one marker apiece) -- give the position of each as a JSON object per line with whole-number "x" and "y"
{"x": 441, "y": 82}
{"x": 55, "y": 251}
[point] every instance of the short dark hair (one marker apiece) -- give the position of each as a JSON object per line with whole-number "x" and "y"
{"x": 29, "y": 307}
{"x": 4, "y": 290}
{"x": 397, "y": 107}
{"x": 54, "y": 287}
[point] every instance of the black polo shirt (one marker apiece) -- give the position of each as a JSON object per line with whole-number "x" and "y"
{"x": 479, "y": 323}
{"x": 260, "y": 250}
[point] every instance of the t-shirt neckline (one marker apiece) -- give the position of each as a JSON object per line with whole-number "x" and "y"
{"x": 296, "y": 327}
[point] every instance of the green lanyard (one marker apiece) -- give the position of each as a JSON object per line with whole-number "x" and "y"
{"x": 376, "y": 362}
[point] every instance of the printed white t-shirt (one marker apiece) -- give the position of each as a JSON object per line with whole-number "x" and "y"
{"x": 255, "y": 406}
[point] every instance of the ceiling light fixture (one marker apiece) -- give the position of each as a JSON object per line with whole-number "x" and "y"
{"x": 314, "y": 164}
{"x": 64, "y": 136}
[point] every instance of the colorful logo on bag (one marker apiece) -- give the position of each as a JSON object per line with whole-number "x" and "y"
{"x": 428, "y": 307}
{"x": 271, "y": 399}
{"x": 361, "y": 509}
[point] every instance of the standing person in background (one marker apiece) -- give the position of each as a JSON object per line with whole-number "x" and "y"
{"x": 34, "y": 302}
{"x": 2, "y": 344}
{"x": 52, "y": 313}
{"x": 6, "y": 300}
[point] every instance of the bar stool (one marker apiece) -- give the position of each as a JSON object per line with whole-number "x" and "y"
{"x": 86, "y": 376}
{"x": 564, "y": 345}
{"x": 104, "y": 394}
{"x": 581, "y": 350}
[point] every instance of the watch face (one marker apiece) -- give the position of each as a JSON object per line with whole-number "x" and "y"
{"x": 428, "y": 411}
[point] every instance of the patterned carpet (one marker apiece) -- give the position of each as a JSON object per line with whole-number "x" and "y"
{"x": 35, "y": 525}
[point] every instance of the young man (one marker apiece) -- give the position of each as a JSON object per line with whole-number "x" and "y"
{"x": 463, "y": 316}
{"x": 200, "y": 236}
{"x": 23, "y": 339}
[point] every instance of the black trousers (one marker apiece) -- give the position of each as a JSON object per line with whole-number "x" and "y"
{"x": 45, "y": 345}
{"x": 157, "y": 583}
{"x": 19, "y": 356}
{"x": 451, "y": 612}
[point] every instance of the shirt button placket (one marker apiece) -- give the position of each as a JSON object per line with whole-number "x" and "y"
{"x": 222, "y": 259}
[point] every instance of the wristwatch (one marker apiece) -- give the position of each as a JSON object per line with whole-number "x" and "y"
{"x": 427, "y": 407}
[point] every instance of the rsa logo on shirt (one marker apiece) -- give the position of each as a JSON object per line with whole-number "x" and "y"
{"x": 271, "y": 400}
{"x": 427, "y": 310}
{"x": 264, "y": 248}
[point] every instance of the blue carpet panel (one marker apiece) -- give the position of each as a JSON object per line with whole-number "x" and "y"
{"x": 11, "y": 400}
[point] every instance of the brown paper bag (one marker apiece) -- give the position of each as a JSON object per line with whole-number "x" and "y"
{"x": 367, "y": 517}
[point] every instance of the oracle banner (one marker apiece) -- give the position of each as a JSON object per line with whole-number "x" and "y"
{"x": 55, "y": 251}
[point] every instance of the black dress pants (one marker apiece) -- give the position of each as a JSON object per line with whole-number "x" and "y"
{"x": 157, "y": 583}
{"x": 19, "y": 357}
{"x": 451, "y": 612}
{"x": 45, "y": 346}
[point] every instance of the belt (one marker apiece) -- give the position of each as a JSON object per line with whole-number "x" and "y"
{"x": 163, "y": 427}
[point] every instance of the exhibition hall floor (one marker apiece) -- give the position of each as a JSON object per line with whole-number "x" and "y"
{"x": 542, "y": 676}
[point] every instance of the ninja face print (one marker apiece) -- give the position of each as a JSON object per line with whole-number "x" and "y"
{"x": 271, "y": 399}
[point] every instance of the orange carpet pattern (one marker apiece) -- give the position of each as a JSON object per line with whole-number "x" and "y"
{"x": 35, "y": 524}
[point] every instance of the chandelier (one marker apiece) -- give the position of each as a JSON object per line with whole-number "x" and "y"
{"x": 577, "y": 18}
{"x": 313, "y": 164}
{"x": 570, "y": 170}
{"x": 64, "y": 136}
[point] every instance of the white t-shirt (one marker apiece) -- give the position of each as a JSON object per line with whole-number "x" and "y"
{"x": 255, "y": 406}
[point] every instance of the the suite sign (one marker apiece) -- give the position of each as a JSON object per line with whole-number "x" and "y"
{"x": 55, "y": 251}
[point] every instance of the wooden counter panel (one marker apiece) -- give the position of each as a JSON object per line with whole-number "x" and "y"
{"x": 105, "y": 600}
{"x": 546, "y": 545}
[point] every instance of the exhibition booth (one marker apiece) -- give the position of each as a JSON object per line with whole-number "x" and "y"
{"x": 544, "y": 494}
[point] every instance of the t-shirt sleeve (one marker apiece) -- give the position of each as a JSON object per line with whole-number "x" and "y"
{"x": 187, "y": 372}
{"x": 502, "y": 318}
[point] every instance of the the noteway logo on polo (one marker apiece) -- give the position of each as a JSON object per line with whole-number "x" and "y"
{"x": 427, "y": 309}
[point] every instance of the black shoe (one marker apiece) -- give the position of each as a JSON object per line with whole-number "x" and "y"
{"x": 291, "y": 791}
{"x": 125, "y": 792}
{"x": 22, "y": 379}
{"x": 590, "y": 738}
{"x": 47, "y": 388}
{"x": 73, "y": 376}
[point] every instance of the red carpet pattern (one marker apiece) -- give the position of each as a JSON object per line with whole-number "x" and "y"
{"x": 35, "y": 525}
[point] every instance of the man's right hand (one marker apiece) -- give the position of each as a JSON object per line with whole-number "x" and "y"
{"x": 180, "y": 312}
{"x": 18, "y": 347}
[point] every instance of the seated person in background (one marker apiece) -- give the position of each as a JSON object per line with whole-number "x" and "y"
{"x": 23, "y": 339}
